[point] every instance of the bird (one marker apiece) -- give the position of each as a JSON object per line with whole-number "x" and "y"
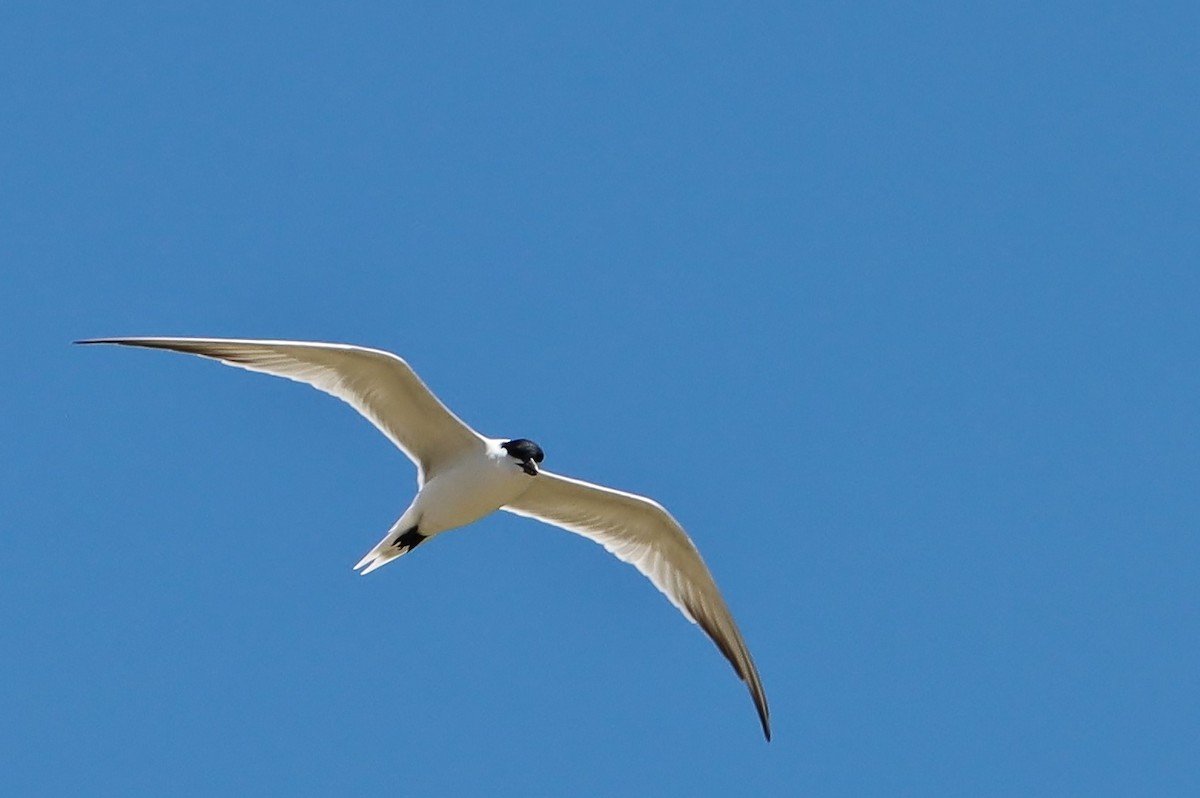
{"x": 463, "y": 476}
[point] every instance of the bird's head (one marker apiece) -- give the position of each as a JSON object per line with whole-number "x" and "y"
{"x": 527, "y": 454}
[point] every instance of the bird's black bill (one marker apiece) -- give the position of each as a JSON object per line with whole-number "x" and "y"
{"x": 530, "y": 468}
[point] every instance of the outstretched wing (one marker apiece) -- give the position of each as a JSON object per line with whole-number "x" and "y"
{"x": 378, "y": 384}
{"x": 641, "y": 532}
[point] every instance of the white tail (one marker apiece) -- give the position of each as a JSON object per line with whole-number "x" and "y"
{"x": 402, "y": 538}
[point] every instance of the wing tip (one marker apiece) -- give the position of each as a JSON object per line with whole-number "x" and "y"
{"x": 149, "y": 343}
{"x": 765, "y": 719}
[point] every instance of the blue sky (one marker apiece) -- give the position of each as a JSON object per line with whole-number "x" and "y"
{"x": 895, "y": 308}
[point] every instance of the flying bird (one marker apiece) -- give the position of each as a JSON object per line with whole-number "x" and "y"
{"x": 463, "y": 476}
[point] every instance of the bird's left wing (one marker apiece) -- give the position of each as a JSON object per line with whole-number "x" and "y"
{"x": 641, "y": 532}
{"x": 379, "y": 385}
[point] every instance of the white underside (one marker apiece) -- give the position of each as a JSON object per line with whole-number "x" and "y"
{"x": 468, "y": 489}
{"x": 472, "y": 488}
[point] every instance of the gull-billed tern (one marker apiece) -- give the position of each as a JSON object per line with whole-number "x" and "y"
{"x": 463, "y": 476}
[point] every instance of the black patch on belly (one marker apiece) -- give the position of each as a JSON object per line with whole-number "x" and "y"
{"x": 410, "y": 540}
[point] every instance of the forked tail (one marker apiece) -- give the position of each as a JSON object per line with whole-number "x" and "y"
{"x": 400, "y": 539}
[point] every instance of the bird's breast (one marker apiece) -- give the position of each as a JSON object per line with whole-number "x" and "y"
{"x": 468, "y": 492}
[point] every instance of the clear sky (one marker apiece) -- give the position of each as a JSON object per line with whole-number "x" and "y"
{"x": 896, "y": 309}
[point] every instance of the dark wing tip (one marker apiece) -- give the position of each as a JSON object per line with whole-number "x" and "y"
{"x": 751, "y": 680}
{"x": 120, "y": 341}
{"x": 760, "y": 704}
{"x": 185, "y": 345}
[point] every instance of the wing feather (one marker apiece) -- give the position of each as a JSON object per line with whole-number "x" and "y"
{"x": 641, "y": 532}
{"x": 379, "y": 385}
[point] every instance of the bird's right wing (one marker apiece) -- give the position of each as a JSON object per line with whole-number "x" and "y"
{"x": 641, "y": 532}
{"x": 379, "y": 385}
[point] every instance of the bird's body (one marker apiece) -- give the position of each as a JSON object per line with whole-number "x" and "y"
{"x": 458, "y": 494}
{"x": 463, "y": 476}
{"x": 472, "y": 488}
